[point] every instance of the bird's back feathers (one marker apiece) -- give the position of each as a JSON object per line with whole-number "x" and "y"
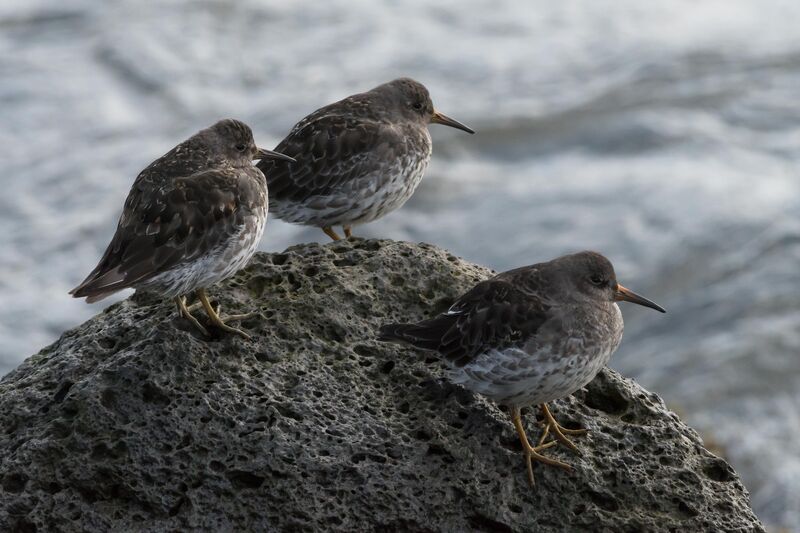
{"x": 332, "y": 150}
{"x": 494, "y": 314}
{"x": 164, "y": 225}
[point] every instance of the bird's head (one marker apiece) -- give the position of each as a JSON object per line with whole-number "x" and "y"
{"x": 414, "y": 102}
{"x": 232, "y": 141}
{"x": 593, "y": 276}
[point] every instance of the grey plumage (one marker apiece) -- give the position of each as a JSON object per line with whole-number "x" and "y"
{"x": 192, "y": 217}
{"x": 357, "y": 159}
{"x": 530, "y": 335}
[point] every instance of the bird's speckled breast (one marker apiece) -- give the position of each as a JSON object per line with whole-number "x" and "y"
{"x": 368, "y": 196}
{"x": 548, "y": 367}
{"x": 395, "y": 185}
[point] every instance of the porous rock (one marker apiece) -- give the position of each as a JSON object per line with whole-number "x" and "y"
{"x": 135, "y": 422}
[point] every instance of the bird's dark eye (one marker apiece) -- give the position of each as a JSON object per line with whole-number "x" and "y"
{"x": 241, "y": 147}
{"x": 417, "y": 106}
{"x": 597, "y": 280}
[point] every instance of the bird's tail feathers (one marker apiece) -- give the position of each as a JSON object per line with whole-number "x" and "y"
{"x": 98, "y": 285}
{"x": 413, "y": 334}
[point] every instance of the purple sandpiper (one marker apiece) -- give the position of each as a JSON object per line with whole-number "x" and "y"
{"x": 192, "y": 218}
{"x": 357, "y": 159}
{"x": 530, "y": 336}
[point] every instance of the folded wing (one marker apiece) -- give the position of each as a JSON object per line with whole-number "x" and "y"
{"x": 331, "y": 150}
{"x": 163, "y": 227}
{"x": 493, "y": 315}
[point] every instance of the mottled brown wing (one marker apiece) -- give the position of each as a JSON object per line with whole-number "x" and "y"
{"x": 161, "y": 227}
{"x": 494, "y": 314}
{"x": 331, "y": 151}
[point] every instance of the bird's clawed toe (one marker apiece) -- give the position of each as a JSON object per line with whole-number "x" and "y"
{"x": 213, "y": 315}
{"x": 199, "y": 305}
{"x": 186, "y": 313}
{"x": 237, "y": 318}
{"x": 230, "y": 329}
{"x": 532, "y": 453}
{"x": 558, "y": 431}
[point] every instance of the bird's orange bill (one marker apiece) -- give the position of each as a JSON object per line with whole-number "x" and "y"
{"x": 269, "y": 154}
{"x": 630, "y": 296}
{"x": 439, "y": 118}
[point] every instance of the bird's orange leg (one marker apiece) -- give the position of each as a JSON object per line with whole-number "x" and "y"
{"x": 330, "y": 233}
{"x": 348, "y": 231}
{"x": 531, "y": 453}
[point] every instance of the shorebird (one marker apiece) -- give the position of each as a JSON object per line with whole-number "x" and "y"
{"x": 357, "y": 159}
{"x": 530, "y": 336}
{"x": 192, "y": 218}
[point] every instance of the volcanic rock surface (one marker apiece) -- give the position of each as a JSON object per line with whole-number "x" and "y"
{"x": 135, "y": 422}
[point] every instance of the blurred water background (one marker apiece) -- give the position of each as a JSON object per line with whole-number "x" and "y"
{"x": 666, "y": 135}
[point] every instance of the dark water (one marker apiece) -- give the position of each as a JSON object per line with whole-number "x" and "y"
{"x": 667, "y": 137}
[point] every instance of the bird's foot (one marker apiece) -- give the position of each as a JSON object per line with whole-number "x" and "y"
{"x": 332, "y": 234}
{"x": 185, "y": 312}
{"x": 236, "y": 318}
{"x": 218, "y": 321}
{"x": 532, "y": 454}
{"x": 559, "y": 432}
{"x": 199, "y": 305}
{"x": 218, "y": 310}
{"x": 348, "y": 231}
